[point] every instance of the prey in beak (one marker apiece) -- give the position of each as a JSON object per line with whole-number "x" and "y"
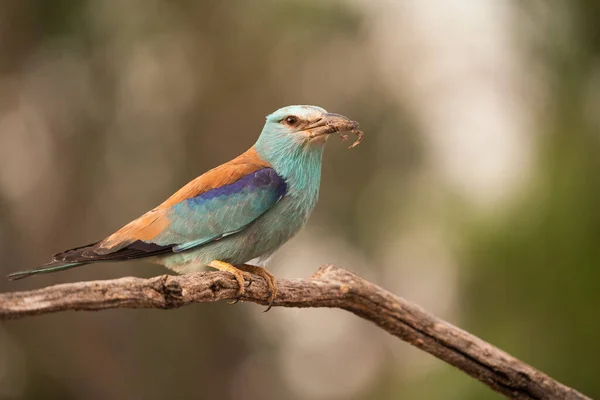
{"x": 335, "y": 123}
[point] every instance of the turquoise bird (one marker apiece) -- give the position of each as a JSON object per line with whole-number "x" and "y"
{"x": 241, "y": 210}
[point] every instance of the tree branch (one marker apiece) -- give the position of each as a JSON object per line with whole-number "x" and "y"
{"x": 330, "y": 286}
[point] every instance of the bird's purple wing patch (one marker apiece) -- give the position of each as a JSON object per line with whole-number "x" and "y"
{"x": 266, "y": 177}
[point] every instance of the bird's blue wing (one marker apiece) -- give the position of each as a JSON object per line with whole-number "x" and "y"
{"x": 221, "y": 211}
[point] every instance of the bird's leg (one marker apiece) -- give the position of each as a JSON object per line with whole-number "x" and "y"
{"x": 239, "y": 274}
{"x": 267, "y": 276}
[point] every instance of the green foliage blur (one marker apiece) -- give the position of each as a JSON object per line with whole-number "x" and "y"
{"x": 107, "y": 107}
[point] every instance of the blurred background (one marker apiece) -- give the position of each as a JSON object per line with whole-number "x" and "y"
{"x": 475, "y": 193}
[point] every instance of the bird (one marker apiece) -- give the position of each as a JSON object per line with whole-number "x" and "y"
{"x": 242, "y": 210}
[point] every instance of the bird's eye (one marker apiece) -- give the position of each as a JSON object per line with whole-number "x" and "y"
{"x": 291, "y": 120}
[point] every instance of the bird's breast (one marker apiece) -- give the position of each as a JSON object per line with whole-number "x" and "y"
{"x": 280, "y": 223}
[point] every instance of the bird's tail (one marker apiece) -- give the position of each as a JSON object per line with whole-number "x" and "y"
{"x": 85, "y": 255}
{"x": 50, "y": 267}
{"x": 67, "y": 259}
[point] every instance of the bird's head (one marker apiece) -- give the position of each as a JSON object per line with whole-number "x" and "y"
{"x": 293, "y": 139}
{"x": 304, "y": 128}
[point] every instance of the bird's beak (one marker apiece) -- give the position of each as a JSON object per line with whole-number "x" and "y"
{"x": 330, "y": 123}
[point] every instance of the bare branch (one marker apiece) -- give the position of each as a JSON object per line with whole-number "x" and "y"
{"x": 330, "y": 286}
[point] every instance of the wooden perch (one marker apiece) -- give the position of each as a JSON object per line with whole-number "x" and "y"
{"x": 330, "y": 286}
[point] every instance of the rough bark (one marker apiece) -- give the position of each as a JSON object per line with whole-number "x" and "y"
{"x": 330, "y": 286}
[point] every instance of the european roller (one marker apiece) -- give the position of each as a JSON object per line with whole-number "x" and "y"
{"x": 242, "y": 210}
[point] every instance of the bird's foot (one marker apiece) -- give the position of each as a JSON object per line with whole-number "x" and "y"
{"x": 240, "y": 275}
{"x": 267, "y": 276}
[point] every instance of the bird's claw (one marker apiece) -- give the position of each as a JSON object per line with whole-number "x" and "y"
{"x": 243, "y": 278}
{"x": 247, "y": 283}
{"x": 243, "y": 275}
{"x": 269, "y": 306}
{"x": 269, "y": 279}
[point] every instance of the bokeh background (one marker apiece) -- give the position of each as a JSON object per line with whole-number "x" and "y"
{"x": 476, "y": 192}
